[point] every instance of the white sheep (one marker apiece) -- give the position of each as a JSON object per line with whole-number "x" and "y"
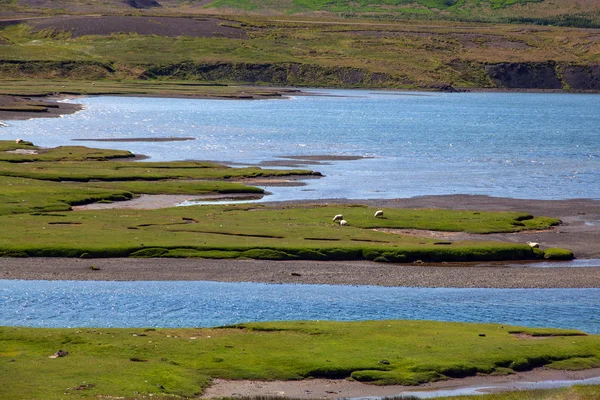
{"x": 338, "y": 217}
{"x": 19, "y": 141}
{"x": 379, "y": 213}
{"x": 343, "y": 222}
{"x": 534, "y": 245}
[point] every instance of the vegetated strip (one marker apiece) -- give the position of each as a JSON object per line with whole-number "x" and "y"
{"x": 271, "y": 233}
{"x": 117, "y": 362}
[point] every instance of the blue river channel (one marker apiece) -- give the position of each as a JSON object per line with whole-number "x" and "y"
{"x": 208, "y": 304}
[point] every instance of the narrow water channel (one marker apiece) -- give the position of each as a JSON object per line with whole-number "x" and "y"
{"x": 207, "y": 304}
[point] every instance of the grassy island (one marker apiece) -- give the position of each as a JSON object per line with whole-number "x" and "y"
{"x": 42, "y": 185}
{"x": 182, "y": 362}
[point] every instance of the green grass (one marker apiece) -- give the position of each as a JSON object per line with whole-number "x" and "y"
{"x": 56, "y": 179}
{"x": 116, "y": 362}
{"x": 255, "y": 231}
{"x": 61, "y": 153}
{"x": 38, "y": 186}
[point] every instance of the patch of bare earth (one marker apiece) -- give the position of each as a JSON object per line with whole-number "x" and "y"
{"x": 160, "y": 26}
{"x": 334, "y": 389}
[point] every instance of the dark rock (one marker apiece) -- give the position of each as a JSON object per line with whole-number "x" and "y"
{"x": 445, "y": 87}
{"x": 142, "y": 3}
{"x": 60, "y": 353}
{"x": 525, "y": 75}
{"x": 582, "y": 77}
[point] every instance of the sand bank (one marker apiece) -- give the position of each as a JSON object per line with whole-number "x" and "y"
{"x": 335, "y": 389}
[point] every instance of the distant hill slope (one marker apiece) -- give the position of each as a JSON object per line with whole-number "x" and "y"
{"x": 578, "y": 13}
{"x": 582, "y": 13}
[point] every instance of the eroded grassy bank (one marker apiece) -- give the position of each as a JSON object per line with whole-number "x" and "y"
{"x": 181, "y": 362}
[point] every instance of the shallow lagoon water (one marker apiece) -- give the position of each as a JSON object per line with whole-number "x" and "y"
{"x": 520, "y": 145}
{"x": 207, "y": 304}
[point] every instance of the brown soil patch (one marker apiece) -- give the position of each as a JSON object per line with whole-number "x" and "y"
{"x": 422, "y": 233}
{"x": 160, "y": 26}
{"x": 525, "y": 336}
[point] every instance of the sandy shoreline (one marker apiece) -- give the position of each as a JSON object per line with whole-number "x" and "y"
{"x": 335, "y": 389}
{"x": 299, "y": 272}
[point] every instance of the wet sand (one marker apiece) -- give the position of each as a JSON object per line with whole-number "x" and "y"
{"x": 300, "y": 272}
{"x": 335, "y": 389}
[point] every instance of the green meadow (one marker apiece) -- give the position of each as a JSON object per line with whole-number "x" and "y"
{"x": 182, "y": 362}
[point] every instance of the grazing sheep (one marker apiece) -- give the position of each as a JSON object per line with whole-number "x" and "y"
{"x": 534, "y": 245}
{"x": 19, "y": 141}
{"x": 343, "y": 222}
{"x": 379, "y": 213}
{"x": 338, "y": 217}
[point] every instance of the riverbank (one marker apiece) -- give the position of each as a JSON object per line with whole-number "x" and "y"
{"x": 342, "y": 388}
{"x": 467, "y": 275}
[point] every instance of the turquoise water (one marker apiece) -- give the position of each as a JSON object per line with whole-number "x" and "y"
{"x": 520, "y": 145}
{"x": 206, "y": 304}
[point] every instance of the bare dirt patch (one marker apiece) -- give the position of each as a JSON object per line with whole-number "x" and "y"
{"x": 492, "y": 275}
{"x": 160, "y": 26}
{"x": 334, "y": 389}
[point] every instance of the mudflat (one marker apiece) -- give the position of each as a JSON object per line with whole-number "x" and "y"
{"x": 299, "y": 272}
{"x": 340, "y": 388}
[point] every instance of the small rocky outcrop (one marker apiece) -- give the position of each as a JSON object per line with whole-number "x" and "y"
{"x": 142, "y": 3}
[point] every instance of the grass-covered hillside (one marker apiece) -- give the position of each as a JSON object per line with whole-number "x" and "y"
{"x": 105, "y": 363}
{"x": 295, "y": 51}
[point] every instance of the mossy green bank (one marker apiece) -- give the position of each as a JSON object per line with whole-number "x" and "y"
{"x": 126, "y": 362}
{"x": 42, "y": 185}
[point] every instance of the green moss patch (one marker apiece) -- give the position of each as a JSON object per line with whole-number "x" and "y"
{"x": 558, "y": 254}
